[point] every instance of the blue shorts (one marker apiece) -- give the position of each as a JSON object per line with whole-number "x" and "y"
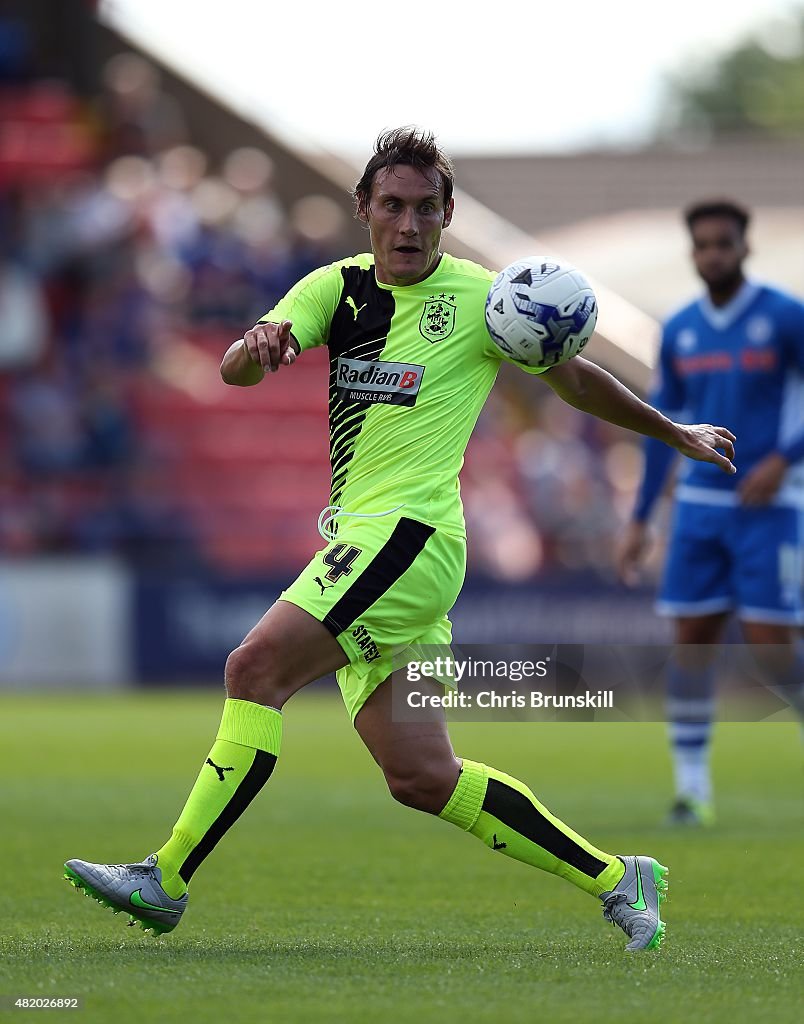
{"x": 735, "y": 558}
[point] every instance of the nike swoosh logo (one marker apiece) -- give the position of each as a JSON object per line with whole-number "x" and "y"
{"x": 136, "y": 900}
{"x": 640, "y": 903}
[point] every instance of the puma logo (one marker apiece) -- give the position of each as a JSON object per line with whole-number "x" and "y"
{"x": 323, "y": 585}
{"x": 218, "y": 769}
{"x": 351, "y": 302}
{"x": 498, "y": 846}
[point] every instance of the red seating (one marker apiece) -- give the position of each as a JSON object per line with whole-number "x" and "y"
{"x": 44, "y": 132}
{"x": 248, "y": 466}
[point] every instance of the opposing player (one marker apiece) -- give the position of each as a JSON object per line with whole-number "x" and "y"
{"x": 411, "y": 366}
{"x": 735, "y": 355}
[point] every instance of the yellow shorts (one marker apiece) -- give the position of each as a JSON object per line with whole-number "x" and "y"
{"x": 382, "y": 586}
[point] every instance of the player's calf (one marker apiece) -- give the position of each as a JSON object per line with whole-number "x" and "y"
{"x": 426, "y": 788}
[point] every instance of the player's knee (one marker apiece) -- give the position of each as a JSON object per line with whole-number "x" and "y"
{"x": 428, "y": 789}
{"x": 695, "y": 634}
{"x": 251, "y": 674}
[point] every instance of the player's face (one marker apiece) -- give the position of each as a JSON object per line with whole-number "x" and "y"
{"x": 405, "y": 216}
{"x": 718, "y": 251}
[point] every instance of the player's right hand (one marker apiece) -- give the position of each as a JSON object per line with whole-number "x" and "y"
{"x": 701, "y": 441}
{"x": 632, "y": 551}
{"x": 271, "y": 345}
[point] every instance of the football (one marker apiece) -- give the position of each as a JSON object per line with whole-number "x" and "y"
{"x": 540, "y": 311}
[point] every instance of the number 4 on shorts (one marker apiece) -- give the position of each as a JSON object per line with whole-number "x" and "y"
{"x": 340, "y": 559}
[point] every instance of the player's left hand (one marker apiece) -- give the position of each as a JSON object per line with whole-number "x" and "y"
{"x": 701, "y": 440}
{"x": 764, "y": 480}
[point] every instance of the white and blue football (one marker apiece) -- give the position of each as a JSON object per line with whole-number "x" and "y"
{"x": 540, "y": 312}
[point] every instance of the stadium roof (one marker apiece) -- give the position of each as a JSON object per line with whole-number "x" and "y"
{"x": 541, "y": 192}
{"x": 617, "y": 215}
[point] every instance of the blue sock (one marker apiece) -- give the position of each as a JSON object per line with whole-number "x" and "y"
{"x": 690, "y": 712}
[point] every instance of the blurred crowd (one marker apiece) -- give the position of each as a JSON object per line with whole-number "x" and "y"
{"x": 116, "y": 236}
{"x": 546, "y": 489}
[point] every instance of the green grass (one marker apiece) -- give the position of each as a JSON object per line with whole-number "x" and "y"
{"x": 328, "y": 902}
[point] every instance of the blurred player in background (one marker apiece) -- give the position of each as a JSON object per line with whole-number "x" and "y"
{"x": 736, "y": 356}
{"x": 411, "y": 366}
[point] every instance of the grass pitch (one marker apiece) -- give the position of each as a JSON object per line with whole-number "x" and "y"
{"x": 328, "y": 902}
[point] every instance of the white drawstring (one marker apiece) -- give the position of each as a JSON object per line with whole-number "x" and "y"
{"x": 332, "y": 512}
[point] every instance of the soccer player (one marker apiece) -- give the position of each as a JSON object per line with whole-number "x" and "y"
{"x": 411, "y": 366}
{"x": 736, "y": 354}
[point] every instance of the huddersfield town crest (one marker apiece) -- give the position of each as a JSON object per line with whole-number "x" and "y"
{"x": 438, "y": 318}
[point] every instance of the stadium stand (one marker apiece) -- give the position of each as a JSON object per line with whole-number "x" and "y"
{"x": 130, "y": 260}
{"x": 144, "y": 224}
{"x": 138, "y": 247}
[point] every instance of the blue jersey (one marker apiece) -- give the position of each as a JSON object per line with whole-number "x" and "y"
{"x": 740, "y": 366}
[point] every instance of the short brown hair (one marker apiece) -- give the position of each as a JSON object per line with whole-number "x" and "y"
{"x": 717, "y": 208}
{"x": 413, "y": 147}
